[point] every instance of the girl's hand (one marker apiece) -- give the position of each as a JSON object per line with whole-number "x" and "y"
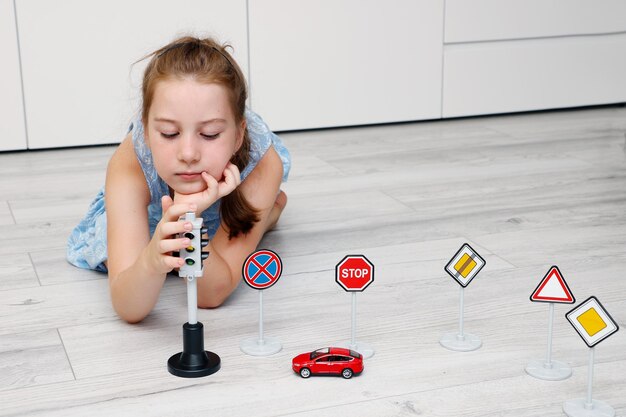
{"x": 163, "y": 242}
{"x": 214, "y": 191}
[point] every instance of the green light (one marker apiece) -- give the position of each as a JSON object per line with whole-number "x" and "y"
{"x": 189, "y": 261}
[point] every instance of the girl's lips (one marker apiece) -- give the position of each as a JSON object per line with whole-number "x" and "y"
{"x": 189, "y": 177}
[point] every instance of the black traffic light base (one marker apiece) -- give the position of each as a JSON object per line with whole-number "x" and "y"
{"x": 193, "y": 361}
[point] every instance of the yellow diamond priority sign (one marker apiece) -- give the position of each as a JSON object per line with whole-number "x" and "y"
{"x": 592, "y": 322}
{"x": 465, "y": 265}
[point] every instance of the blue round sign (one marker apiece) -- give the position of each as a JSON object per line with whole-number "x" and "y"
{"x": 262, "y": 269}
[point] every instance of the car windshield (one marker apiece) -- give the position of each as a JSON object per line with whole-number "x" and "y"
{"x": 319, "y": 352}
{"x": 355, "y": 354}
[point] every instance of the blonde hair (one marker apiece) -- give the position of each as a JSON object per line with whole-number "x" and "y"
{"x": 208, "y": 62}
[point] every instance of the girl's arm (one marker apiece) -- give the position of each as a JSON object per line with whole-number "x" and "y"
{"x": 137, "y": 264}
{"x": 222, "y": 269}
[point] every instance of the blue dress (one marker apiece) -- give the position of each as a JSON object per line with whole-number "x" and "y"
{"x": 87, "y": 244}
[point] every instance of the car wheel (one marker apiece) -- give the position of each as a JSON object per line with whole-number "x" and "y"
{"x": 346, "y": 373}
{"x": 305, "y": 372}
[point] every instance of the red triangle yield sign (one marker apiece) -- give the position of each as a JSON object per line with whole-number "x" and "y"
{"x": 553, "y": 289}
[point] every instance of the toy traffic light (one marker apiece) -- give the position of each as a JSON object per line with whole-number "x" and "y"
{"x": 193, "y": 254}
{"x": 193, "y": 361}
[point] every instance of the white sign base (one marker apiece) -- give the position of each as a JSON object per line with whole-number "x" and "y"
{"x": 553, "y": 371}
{"x": 549, "y": 370}
{"x": 578, "y": 408}
{"x": 262, "y": 345}
{"x": 588, "y": 407}
{"x": 460, "y": 342}
{"x": 256, "y": 347}
{"x": 363, "y": 348}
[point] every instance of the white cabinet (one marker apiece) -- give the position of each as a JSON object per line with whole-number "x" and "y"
{"x": 480, "y": 20}
{"x": 332, "y": 63}
{"x": 12, "y": 126}
{"x": 536, "y": 74}
{"x": 515, "y": 55}
{"x": 80, "y": 85}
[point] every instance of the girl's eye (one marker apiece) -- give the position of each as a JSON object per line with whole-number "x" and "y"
{"x": 169, "y": 135}
{"x": 215, "y": 136}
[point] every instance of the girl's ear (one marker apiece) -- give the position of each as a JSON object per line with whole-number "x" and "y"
{"x": 146, "y": 139}
{"x": 240, "y": 134}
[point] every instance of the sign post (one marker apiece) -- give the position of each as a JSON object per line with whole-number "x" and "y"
{"x": 552, "y": 289}
{"x": 261, "y": 270}
{"x": 463, "y": 267}
{"x": 594, "y": 324}
{"x": 354, "y": 273}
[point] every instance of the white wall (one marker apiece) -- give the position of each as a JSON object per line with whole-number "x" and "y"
{"x": 313, "y": 64}
{"x": 334, "y": 63}
{"x": 77, "y": 57}
{"x": 12, "y": 128}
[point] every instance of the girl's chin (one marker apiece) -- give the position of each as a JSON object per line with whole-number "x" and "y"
{"x": 187, "y": 189}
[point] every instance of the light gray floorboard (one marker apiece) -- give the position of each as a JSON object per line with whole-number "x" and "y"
{"x": 526, "y": 191}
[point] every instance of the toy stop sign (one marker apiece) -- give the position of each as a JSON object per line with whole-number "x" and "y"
{"x": 354, "y": 273}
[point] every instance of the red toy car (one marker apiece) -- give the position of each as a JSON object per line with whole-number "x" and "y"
{"x": 328, "y": 361}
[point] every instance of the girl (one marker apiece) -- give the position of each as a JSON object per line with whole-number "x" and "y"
{"x": 195, "y": 148}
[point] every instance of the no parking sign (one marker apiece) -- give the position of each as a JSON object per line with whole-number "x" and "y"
{"x": 262, "y": 269}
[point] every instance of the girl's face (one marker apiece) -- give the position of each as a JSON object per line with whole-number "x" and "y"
{"x": 191, "y": 128}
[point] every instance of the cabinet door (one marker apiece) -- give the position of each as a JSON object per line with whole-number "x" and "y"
{"x": 80, "y": 84}
{"x": 12, "y": 127}
{"x": 345, "y": 62}
{"x": 536, "y": 74}
{"x": 482, "y": 20}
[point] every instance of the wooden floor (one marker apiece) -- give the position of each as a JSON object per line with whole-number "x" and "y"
{"x": 526, "y": 191}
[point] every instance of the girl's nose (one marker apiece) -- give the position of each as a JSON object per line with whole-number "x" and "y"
{"x": 188, "y": 150}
